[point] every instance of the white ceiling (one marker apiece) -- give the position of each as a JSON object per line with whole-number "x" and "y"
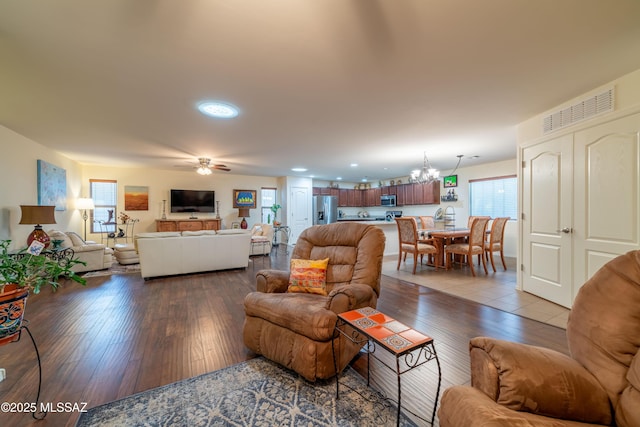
{"x": 320, "y": 83}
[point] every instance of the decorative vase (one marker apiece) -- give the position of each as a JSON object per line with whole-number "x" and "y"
{"x": 39, "y": 234}
{"x": 244, "y": 224}
{"x": 12, "y": 304}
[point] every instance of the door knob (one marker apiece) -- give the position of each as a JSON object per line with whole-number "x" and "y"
{"x": 566, "y": 230}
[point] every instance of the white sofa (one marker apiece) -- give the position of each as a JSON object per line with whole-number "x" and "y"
{"x": 96, "y": 255}
{"x": 171, "y": 253}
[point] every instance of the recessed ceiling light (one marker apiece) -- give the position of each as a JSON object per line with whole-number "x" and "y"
{"x": 299, "y": 169}
{"x": 339, "y": 178}
{"x": 354, "y": 165}
{"x": 218, "y": 110}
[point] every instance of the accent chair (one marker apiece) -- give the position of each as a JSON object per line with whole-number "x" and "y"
{"x": 296, "y": 328}
{"x": 514, "y": 384}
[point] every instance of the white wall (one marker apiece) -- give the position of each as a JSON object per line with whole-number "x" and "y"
{"x": 160, "y": 182}
{"x": 627, "y": 95}
{"x": 19, "y": 177}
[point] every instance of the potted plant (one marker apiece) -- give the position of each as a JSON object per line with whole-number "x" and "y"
{"x": 275, "y": 208}
{"x": 23, "y": 272}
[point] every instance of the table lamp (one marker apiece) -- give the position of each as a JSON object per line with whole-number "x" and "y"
{"x": 243, "y": 212}
{"x": 37, "y": 215}
{"x": 85, "y": 204}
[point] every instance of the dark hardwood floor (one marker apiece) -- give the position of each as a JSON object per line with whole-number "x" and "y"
{"x": 120, "y": 335}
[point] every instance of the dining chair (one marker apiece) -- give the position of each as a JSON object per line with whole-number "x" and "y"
{"x": 472, "y": 218}
{"x": 475, "y": 246}
{"x": 427, "y": 222}
{"x": 409, "y": 242}
{"x": 496, "y": 239}
{"x": 466, "y": 239}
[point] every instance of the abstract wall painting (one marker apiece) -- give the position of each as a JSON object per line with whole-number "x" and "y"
{"x": 136, "y": 198}
{"x": 52, "y": 185}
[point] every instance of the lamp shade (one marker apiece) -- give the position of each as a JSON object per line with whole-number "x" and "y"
{"x": 37, "y": 214}
{"x": 85, "y": 203}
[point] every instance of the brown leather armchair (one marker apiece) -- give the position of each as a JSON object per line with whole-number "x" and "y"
{"x": 296, "y": 329}
{"x": 516, "y": 384}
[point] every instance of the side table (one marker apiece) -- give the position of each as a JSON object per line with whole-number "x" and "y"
{"x": 281, "y": 234}
{"x": 62, "y": 255}
{"x": 374, "y": 329}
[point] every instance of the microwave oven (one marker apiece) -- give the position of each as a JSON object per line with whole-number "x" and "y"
{"x": 388, "y": 200}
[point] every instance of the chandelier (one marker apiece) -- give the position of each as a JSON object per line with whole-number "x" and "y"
{"x": 426, "y": 174}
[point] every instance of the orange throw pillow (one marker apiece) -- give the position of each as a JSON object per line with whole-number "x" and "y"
{"x": 308, "y": 276}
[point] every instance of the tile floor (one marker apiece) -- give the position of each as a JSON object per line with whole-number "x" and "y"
{"x": 495, "y": 289}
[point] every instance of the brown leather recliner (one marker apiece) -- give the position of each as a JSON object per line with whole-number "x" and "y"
{"x": 516, "y": 384}
{"x": 296, "y": 329}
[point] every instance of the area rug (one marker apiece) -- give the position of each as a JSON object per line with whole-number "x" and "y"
{"x": 114, "y": 269}
{"x": 253, "y": 393}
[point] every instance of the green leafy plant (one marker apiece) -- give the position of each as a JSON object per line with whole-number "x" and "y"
{"x": 34, "y": 271}
{"x": 275, "y": 208}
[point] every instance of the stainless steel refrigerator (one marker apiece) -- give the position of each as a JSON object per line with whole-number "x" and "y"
{"x": 325, "y": 209}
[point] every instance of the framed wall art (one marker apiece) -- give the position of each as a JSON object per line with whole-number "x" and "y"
{"x": 52, "y": 185}
{"x": 450, "y": 181}
{"x": 244, "y": 199}
{"x": 136, "y": 198}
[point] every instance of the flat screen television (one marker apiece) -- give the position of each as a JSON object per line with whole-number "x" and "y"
{"x": 192, "y": 201}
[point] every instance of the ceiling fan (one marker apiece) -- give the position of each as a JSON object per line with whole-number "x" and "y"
{"x": 205, "y": 166}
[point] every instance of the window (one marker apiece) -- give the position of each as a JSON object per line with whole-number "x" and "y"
{"x": 105, "y": 195}
{"x": 494, "y": 197}
{"x": 267, "y": 199}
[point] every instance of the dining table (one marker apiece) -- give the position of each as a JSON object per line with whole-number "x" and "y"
{"x": 440, "y": 239}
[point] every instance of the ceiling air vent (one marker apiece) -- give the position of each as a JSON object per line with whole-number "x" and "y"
{"x": 585, "y": 109}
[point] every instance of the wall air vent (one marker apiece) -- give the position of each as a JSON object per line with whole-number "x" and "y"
{"x": 583, "y": 110}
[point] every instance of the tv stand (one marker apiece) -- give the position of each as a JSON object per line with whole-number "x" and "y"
{"x": 187, "y": 224}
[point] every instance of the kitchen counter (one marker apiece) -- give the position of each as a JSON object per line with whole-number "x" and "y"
{"x": 367, "y": 219}
{"x": 371, "y": 221}
{"x": 389, "y": 228}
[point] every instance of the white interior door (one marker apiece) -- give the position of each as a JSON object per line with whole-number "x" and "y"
{"x": 607, "y": 177}
{"x": 547, "y": 220}
{"x": 300, "y": 211}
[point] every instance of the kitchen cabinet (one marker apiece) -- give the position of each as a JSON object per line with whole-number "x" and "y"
{"x": 343, "y": 197}
{"x": 372, "y": 196}
{"x": 407, "y": 190}
{"x": 355, "y": 198}
{"x": 406, "y": 194}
